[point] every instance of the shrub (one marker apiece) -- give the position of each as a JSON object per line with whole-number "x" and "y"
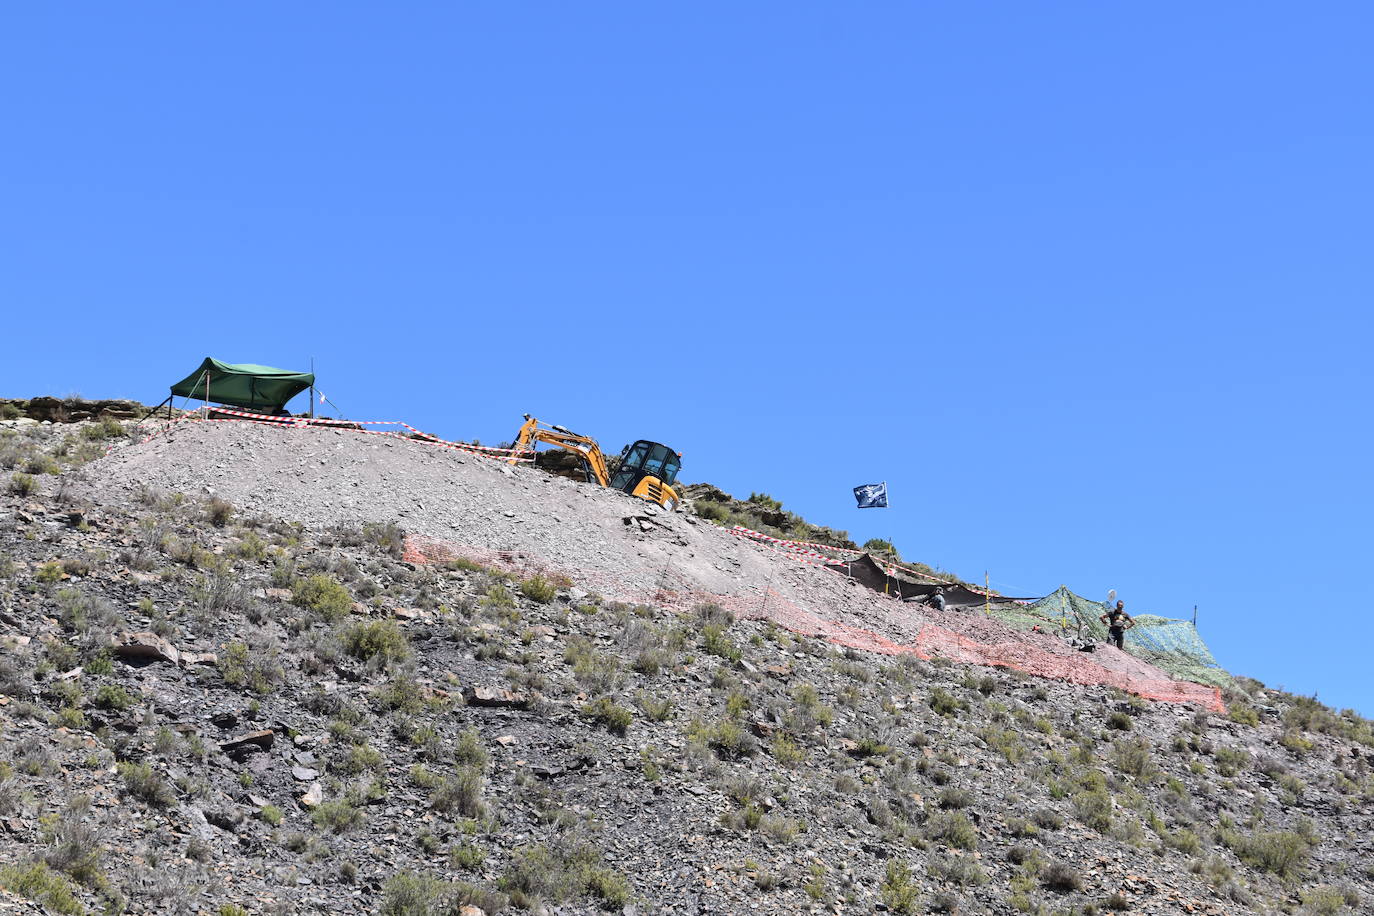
{"x": 785, "y": 750}
{"x": 387, "y": 537}
{"x": 219, "y": 511}
{"x": 715, "y": 642}
{"x": 1282, "y": 853}
{"x": 144, "y": 783}
{"x": 258, "y": 670}
{"x": 765, "y": 501}
{"x": 323, "y": 595}
{"x": 897, "y": 889}
{"x": 461, "y": 793}
{"x": 336, "y": 816}
{"x": 658, "y": 709}
{"x": 467, "y": 856}
{"x": 1061, "y": 877}
{"x": 1244, "y": 714}
{"x": 615, "y": 718}
{"x": 1133, "y": 758}
{"x": 1230, "y": 760}
{"x": 953, "y": 829}
{"x": 49, "y": 572}
{"x": 40, "y": 883}
{"x": 22, "y": 484}
{"x": 959, "y": 870}
{"x": 945, "y": 703}
{"x": 1120, "y": 721}
{"x": 595, "y": 671}
{"x": 1094, "y": 808}
{"x": 1326, "y": 900}
{"x": 113, "y": 697}
{"x": 470, "y": 750}
{"x": 726, "y": 736}
{"x": 378, "y": 639}
{"x": 879, "y": 545}
{"x": 537, "y": 588}
{"x": 271, "y": 814}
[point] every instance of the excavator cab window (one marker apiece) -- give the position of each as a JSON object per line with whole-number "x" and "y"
{"x": 662, "y": 463}
{"x": 646, "y": 459}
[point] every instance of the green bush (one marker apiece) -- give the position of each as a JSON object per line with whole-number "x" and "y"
{"x": 417, "y": 894}
{"x": 258, "y": 670}
{"x": 715, "y": 642}
{"x": 953, "y": 829}
{"x": 1133, "y": 758}
{"x": 763, "y": 500}
{"x": 324, "y": 596}
{"x": 879, "y": 545}
{"x": 1244, "y": 714}
{"x": 144, "y": 783}
{"x": 461, "y": 793}
{"x": 537, "y": 588}
{"x": 1094, "y": 808}
{"x": 40, "y": 883}
{"x": 378, "y": 639}
{"x": 1120, "y": 721}
{"x": 1280, "y": 852}
{"x": 725, "y": 736}
{"x": 1230, "y": 760}
{"x": 945, "y": 703}
{"x": 22, "y": 484}
{"x": 897, "y": 889}
{"x": 615, "y": 718}
{"x": 336, "y": 816}
{"x": 112, "y": 697}
{"x": 470, "y": 750}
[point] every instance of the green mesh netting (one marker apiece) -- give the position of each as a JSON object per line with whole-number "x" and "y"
{"x": 1171, "y": 645}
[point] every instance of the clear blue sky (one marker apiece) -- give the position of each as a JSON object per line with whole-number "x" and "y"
{"x": 1088, "y": 284}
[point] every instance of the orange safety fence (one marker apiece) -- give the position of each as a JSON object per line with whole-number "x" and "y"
{"x": 1042, "y": 655}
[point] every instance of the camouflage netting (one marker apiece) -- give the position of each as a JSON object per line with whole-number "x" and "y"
{"x": 1171, "y": 645}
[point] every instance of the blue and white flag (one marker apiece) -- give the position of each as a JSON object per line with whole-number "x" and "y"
{"x": 872, "y": 495}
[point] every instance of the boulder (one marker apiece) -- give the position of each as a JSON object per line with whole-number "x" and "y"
{"x": 244, "y": 745}
{"x": 144, "y": 648}
{"x": 495, "y": 698}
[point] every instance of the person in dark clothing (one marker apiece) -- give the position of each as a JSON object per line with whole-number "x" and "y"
{"x": 937, "y": 599}
{"x": 1118, "y": 622}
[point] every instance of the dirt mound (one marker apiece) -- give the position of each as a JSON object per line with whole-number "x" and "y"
{"x": 604, "y": 541}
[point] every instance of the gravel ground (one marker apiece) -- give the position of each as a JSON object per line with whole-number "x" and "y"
{"x": 603, "y": 540}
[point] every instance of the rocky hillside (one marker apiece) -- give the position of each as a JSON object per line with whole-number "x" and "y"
{"x": 246, "y": 689}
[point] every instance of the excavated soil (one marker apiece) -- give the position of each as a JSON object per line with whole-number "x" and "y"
{"x": 452, "y": 503}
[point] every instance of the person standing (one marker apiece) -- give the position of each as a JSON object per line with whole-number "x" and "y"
{"x": 1118, "y": 622}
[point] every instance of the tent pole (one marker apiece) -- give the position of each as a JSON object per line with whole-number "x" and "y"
{"x": 207, "y": 395}
{"x": 155, "y": 410}
{"x": 312, "y": 387}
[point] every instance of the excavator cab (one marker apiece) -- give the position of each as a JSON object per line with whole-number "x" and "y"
{"x": 648, "y": 470}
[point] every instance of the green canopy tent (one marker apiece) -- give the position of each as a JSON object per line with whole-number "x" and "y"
{"x": 260, "y": 389}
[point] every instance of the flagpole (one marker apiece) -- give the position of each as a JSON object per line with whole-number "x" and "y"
{"x": 312, "y": 387}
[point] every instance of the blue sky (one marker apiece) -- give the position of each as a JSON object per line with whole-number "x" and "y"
{"x": 1088, "y": 284}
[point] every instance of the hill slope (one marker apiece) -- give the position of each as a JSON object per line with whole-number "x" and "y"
{"x": 259, "y": 698}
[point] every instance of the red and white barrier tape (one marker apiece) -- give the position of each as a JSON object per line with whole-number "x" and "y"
{"x": 484, "y": 451}
{"x": 799, "y": 550}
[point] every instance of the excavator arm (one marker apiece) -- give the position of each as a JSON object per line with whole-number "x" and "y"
{"x": 584, "y": 447}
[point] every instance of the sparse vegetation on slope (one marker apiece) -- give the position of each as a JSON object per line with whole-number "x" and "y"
{"x": 341, "y": 730}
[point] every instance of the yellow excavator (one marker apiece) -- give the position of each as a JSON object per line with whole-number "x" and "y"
{"x": 647, "y": 469}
